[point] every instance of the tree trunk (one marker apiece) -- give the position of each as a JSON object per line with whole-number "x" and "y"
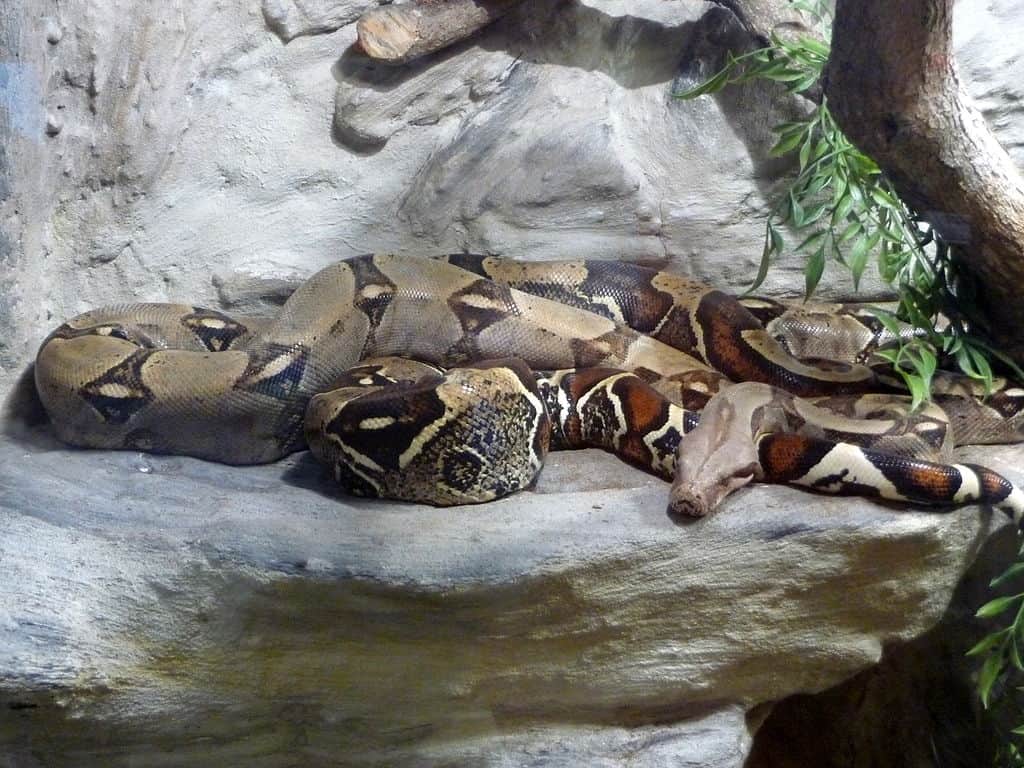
{"x": 893, "y": 86}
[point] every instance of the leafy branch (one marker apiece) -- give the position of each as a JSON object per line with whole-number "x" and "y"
{"x": 841, "y": 208}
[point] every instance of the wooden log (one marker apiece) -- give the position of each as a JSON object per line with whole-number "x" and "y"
{"x": 396, "y": 34}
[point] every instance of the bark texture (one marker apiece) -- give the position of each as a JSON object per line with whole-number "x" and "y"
{"x": 893, "y": 85}
{"x": 396, "y": 34}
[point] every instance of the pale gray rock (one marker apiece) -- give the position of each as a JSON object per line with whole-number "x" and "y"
{"x": 255, "y": 609}
{"x": 246, "y": 616}
{"x": 293, "y": 18}
{"x": 992, "y": 63}
{"x": 602, "y": 171}
{"x": 716, "y": 740}
{"x": 248, "y": 294}
{"x": 376, "y": 101}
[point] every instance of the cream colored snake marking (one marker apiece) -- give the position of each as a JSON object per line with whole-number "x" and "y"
{"x": 632, "y": 356}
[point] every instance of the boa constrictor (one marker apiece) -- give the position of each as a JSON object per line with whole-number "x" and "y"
{"x": 632, "y": 357}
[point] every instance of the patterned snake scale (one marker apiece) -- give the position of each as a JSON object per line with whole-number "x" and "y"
{"x": 542, "y": 355}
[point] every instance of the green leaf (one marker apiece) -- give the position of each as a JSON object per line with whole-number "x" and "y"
{"x": 778, "y": 244}
{"x": 895, "y": 235}
{"x": 816, "y": 46}
{"x": 805, "y": 152}
{"x": 987, "y": 677}
{"x": 963, "y": 360}
{"x": 712, "y": 85}
{"x": 1015, "y": 658}
{"x": 839, "y": 188}
{"x": 785, "y": 145}
{"x": 855, "y": 228}
{"x": 814, "y": 270}
{"x": 857, "y": 193}
{"x": 887, "y": 319}
{"x": 858, "y": 258}
{"x": 987, "y": 642}
{"x": 782, "y": 128}
{"x": 997, "y": 606}
{"x": 883, "y": 198}
{"x": 783, "y": 74}
{"x": 772, "y": 244}
{"x": 843, "y": 207}
{"x": 813, "y": 241}
{"x": 927, "y": 362}
{"x": 864, "y": 165}
{"x": 818, "y": 182}
{"x": 918, "y": 390}
{"x": 1008, "y": 574}
{"x": 812, "y": 215}
{"x": 981, "y": 365}
{"x": 796, "y": 211}
{"x": 820, "y": 149}
{"x": 804, "y": 84}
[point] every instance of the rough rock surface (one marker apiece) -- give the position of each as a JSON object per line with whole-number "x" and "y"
{"x": 171, "y": 150}
{"x": 293, "y": 18}
{"x": 155, "y": 610}
{"x": 145, "y": 599}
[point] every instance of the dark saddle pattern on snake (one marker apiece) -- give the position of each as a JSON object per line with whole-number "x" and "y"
{"x": 545, "y": 354}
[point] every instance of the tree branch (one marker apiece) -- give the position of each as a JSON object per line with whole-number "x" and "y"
{"x": 893, "y": 86}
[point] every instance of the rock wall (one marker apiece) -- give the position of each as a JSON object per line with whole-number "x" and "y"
{"x": 217, "y": 151}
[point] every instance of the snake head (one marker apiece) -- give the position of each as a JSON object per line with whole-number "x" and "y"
{"x": 700, "y": 486}
{"x": 720, "y": 454}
